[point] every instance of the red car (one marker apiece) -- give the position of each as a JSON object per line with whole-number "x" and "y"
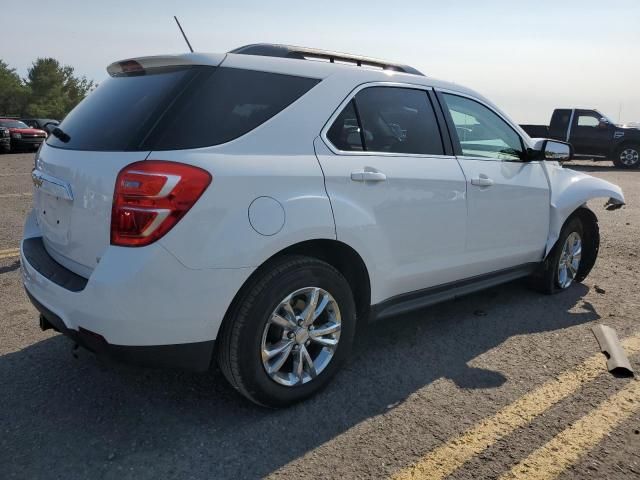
{"x": 23, "y": 137}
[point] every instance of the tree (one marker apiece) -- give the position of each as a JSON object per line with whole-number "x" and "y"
{"x": 53, "y": 89}
{"x": 13, "y": 92}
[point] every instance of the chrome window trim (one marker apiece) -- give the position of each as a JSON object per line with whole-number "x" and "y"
{"x": 489, "y": 159}
{"x": 369, "y": 153}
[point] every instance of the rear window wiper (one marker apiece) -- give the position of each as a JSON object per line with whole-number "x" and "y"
{"x": 60, "y": 134}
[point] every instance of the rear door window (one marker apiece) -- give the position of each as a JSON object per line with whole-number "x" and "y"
{"x": 398, "y": 120}
{"x": 177, "y": 108}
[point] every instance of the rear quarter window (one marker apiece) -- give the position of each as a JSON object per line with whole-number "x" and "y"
{"x": 225, "y": 105}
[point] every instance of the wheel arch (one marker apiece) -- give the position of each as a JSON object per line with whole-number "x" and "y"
{"x": 625, "y": 143}
{"x": 334, "y": 252}
{"x": 570, "y": 193}
{"x": 591, "y": 240}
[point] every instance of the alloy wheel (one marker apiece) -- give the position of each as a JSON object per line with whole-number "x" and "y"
{"x": 569, "y": 260}
{"x": 301, "y": 336}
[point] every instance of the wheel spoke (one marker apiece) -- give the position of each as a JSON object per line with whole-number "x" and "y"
{"x": 325, "y": 342}
{"x": 320, "y": 308}
{"x": 277, "y": 349}
{"x": 280, "y": 361}
{"x": 308, "y": 313}
{"x": 288, "y": 309}
{"x": 572, "y": 269}
{"x": 326, "y": 329}
{"x": 298, "y": 365}
{"x": 285, "y": 323}
{"x": 311, "y": 368}
{"x": 562, "y": 275}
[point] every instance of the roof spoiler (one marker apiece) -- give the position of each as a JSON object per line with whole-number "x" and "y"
{"x": 304, "y": 53}
{"x": 140, "y": 64}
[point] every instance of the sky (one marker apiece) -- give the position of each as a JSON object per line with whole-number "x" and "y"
{"x": 527, "y": 56}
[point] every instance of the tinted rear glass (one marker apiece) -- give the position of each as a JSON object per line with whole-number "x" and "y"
{"x": 225, "y": 105}
{"x": 178, "y": 108}
{"x": 118, "y": 114}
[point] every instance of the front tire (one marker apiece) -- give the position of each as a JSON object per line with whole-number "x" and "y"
{"x": 572, "y": 257}
{"x": 627, "y": 156}
{"x": 288, "y": 332}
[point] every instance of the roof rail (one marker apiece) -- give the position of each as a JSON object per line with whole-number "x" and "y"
{"x": 304, "y": 53}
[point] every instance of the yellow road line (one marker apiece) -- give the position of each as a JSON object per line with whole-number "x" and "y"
{"x": 567, "y": 447}
{"x": 447, "y": 458}
{"x": 16, "y": 195}
{"x": 12, "y": 252}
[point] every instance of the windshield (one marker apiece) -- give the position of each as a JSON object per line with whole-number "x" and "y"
{"x": 13, "y": 124}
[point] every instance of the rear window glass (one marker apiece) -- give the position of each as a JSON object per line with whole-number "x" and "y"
{"x": 178, "y": 108}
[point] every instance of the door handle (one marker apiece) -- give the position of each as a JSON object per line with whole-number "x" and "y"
{"x": 482, "y": 181}
{"x": 368, "y": 176}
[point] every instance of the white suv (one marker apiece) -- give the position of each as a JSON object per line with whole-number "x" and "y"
{"x": 254, "y": 206}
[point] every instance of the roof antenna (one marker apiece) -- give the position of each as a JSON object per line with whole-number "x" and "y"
{"x": 182, "y": 31}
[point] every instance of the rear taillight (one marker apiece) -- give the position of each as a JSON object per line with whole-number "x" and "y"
{"x": 151, "y": 197}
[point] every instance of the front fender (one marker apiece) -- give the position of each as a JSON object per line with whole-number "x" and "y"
{"x": 569, "y": 191}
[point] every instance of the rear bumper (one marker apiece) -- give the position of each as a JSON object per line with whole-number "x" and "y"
{"x": 139, "y": 305}
{"x": 188, "y": 356}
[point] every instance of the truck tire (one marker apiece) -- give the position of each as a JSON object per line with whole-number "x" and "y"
{"x": 627, "y": 156}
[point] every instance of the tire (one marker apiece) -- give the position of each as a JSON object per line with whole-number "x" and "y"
{"x": 627, "y": 157}
{"x": 549, "y": 279}
{"x": 249, "y": 329}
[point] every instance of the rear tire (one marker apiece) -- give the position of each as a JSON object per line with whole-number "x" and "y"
{"x": 250, "y": 334}
{"x": 627, "y": 157}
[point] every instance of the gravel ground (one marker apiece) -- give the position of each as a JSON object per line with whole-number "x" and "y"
{"x": 413, "y": 383}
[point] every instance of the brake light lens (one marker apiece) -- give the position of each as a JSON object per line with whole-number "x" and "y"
{"x": 131, "y": 66}
{"x": 151, "y": 197}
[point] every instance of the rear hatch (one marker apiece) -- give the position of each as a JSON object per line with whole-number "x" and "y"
{"x": 118, "y": 124}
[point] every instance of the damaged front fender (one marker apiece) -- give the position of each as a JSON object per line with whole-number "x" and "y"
{"x": 570, "y": 190}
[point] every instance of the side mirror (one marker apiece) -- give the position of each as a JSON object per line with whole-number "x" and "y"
{"x": 604, "y": 123}
{"x": 556, "y": 151}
